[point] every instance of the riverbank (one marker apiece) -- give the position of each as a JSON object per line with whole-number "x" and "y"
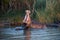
{"x": 32, "y": 25}
{"x": 9, "y": 24}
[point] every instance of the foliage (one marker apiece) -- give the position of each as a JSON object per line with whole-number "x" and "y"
{"x": 44, "y": 11}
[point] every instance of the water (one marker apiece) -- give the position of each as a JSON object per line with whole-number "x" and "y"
{"x": 33, "y": 34}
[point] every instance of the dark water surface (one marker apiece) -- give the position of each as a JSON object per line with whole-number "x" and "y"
{"x": 33, "y": 34}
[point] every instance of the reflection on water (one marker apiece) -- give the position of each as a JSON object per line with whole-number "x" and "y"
{"x": 27, "y": 34}
{"x": 33, "y": 34}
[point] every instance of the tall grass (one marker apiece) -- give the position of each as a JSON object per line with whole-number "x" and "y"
{"x": 45, "y": 11}
{"x": 50, "y": 14}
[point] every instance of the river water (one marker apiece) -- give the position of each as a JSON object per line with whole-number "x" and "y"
{"x": 32, "y": 34}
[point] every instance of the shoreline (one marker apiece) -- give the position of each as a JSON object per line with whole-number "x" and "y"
{"x": 19, "y": 24}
